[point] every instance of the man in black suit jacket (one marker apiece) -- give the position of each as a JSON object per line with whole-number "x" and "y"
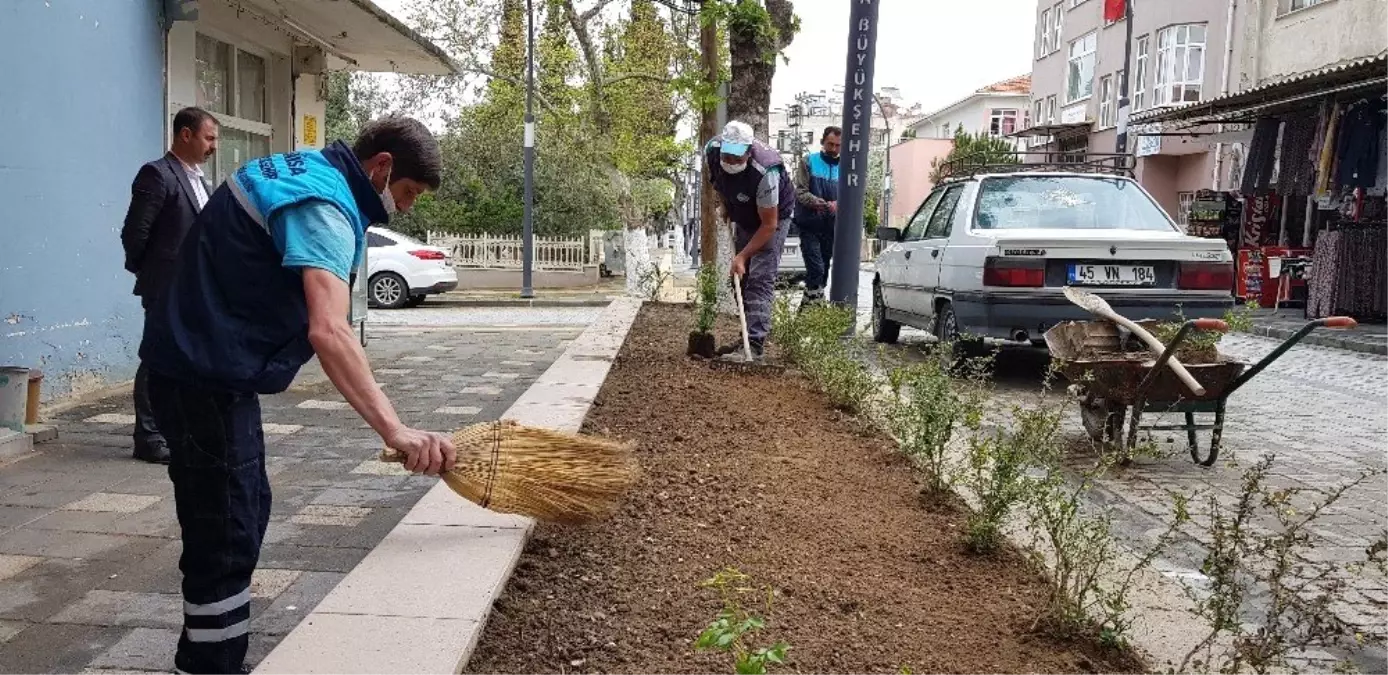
{"x": 165, "y": 198}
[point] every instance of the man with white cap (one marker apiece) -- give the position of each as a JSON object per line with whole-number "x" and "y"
{"x": 759, "y": 198}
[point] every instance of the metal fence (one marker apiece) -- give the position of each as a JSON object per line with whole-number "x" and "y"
{"x": 491, "y": 252}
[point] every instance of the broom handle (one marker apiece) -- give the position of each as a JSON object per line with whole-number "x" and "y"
{"x": 742, "y": 316}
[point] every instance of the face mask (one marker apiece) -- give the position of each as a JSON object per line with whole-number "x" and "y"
{"x": 388, "y": 199}
{"x": 733, "y": 169}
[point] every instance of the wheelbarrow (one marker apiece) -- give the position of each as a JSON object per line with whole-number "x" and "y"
{"x": 1116, "y": 387}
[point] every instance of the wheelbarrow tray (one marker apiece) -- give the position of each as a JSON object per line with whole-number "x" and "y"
{"x": 1119, "y": 380}
{"x": 1088, "y": 354}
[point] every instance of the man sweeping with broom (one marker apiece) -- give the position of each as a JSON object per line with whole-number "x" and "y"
{"x": 759, "y": 199}
{"x": 261, "y": 286}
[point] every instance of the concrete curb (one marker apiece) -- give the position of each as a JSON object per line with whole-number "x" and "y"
{"x": 1323, "y": 338}
{"x": 535, "y": 303}
{"x": 419, "y": 601}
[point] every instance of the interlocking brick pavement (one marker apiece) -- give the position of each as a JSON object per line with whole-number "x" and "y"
{"x": 89, "y": 543}
{"x": 1323, "y": 413}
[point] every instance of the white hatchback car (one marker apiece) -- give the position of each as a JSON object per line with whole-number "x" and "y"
{"x": 401, "y": 271}
{"x": 989, "y": 256}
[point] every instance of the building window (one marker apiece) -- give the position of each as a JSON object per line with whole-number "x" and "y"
{"x": 944, "y": 131}
{"x": 1050, "y": 109}
{"x": 1002, "y": 121}
{"x": 1139, "y": 83}
{"x": 1184, "y": 200}
{"x": 1180, "y": 64}
{"x": 1106, "y": 92}
{"x": 1287, "y": 6}
{"x": 1079, "y": 83}
{"x": 1038, "y": 111}
{"x": 232, "y": 84}
{"x": 1057, "y": 25}
{"x": 1044, "y": 43}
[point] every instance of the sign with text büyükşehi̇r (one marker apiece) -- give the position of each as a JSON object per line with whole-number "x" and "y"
{"x": 853, "y": 162}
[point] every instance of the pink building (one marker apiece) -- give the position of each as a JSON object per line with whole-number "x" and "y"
{"x": 911, "y": 175}
{"x": 911, "y": 161}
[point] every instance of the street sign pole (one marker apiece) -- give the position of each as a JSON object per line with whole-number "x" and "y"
{"x": 528, "y": 246}
{"x": 853, "y": 158}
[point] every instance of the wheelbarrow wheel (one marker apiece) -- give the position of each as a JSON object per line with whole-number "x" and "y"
{"x": 1102, "y": 420}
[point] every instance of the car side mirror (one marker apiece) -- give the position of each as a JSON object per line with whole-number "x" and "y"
{"x": 889, "y": 233}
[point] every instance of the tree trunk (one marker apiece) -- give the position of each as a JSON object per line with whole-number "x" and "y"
{"x": 708, "y": 128}
{"x": 754, "y": 66}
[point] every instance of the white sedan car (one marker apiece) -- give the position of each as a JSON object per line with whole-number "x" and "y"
{"x": 402, "y": 271}
{"x": 989, "y": 256}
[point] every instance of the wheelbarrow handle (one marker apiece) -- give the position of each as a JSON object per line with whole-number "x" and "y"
{"x": 1211, "y": 325}
{"x": 1341, "y": 322}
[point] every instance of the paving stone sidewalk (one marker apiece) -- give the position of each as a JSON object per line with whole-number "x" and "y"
{"x": 1321, "y": 411}
{"x": 88, "y": 539}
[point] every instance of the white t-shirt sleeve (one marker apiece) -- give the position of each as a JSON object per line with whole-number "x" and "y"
{"x": 769, "y": 190}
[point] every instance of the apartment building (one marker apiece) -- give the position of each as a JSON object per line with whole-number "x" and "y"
{"x": 1180, "y": 54}
{"x": 797, "y": 127}
{"x": 1001, "y": 109}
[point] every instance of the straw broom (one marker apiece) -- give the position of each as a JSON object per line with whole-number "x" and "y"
{"x": 545, "y": 474}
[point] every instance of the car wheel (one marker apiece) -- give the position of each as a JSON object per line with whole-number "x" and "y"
{"x": 884, "y": 330}
{"x": 415, "y": 300}
{"x": 388, "y": 290}
{"x": 947, "y": 330}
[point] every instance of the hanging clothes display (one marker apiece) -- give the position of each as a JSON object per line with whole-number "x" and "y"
{"x": 1327, "y": 159}
{"x": 1262, "y": 152}
{"x": 1357, "y": 145}
{"x": 1349, "y": 273}
{"x": 1296, "y": 173}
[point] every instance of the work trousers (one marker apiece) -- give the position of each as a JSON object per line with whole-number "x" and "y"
{"x": 759, "y": 285}
{"x": 147, "y": 436}
{"x": 222, "y": 497}
{"x": 817, "y": 248}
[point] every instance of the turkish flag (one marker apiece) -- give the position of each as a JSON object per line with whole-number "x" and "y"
{"x": 1113, "y": 10}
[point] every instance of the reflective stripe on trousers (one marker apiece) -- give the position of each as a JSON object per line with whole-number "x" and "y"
{"x": 222, "y": 497}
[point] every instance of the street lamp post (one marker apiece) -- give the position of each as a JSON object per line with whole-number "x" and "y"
{"x": 853, "y": 161}
{"x": 528, "y": 245}
{"x": 1121, "y": 141}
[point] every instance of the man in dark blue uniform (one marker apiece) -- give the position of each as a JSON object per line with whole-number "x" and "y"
{"x": 759, "y": 199}
{"x": 261, "y": 286}
{"x": 816, "y": 211}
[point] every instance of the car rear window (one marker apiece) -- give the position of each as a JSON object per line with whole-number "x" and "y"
{"x": 1065, "y": 203}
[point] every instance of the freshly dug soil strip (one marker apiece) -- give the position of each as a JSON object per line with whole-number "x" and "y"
{"x": 759, "y": 473}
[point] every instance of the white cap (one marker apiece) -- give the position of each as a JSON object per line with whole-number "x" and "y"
{"x": 736, "y": 138}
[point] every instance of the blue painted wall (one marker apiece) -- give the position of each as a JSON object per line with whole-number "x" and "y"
{"x": 81, "y": 108}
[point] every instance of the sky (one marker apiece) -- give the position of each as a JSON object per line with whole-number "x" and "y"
{"x": 935, "y": 51}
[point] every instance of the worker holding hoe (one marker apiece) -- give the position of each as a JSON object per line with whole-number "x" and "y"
{"x": 759, "y": 199}
{"x": 262, "y": 285}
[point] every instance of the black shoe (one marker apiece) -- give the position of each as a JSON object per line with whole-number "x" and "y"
{"x": 154, "y": 453}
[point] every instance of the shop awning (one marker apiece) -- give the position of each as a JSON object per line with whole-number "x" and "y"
{"x": 1066, "y": 129}
{"x": 1297, "y": 91}
{"x": 356, "y": 34}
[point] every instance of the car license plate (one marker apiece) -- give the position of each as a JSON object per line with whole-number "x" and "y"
{"x": 1112, "y": 275}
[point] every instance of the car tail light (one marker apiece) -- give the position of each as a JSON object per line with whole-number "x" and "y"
{"x": 1206, "y": 277}
{"x": 428, "y": 255}
{"x": 1014, "y": 273}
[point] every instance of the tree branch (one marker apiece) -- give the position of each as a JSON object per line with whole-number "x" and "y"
{"x": 660, "y": 79}
{"x": 592, "y": 11}
{"x": 579, "y": 24}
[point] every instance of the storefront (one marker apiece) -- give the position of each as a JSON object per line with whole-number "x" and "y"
{"x": 1304, "y": 208}
{"x": 259, "y": 67}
